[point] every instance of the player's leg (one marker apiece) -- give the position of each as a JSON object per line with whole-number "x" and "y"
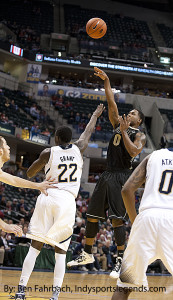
{"x": 86, "y": 257}
{"x": 96, "y": 210}
{"x": 119, "y": 234}
{"x": 141, "y": 251}
{"x": 117, "y": 213}
{"x": 60, "y": 236}
{"x": 165, "y": 244}
{"x": 121, "y": 295}
{"x": 59, "y": 271}
{"x": 39, "y": 225}
{"x": 28, "y": 266}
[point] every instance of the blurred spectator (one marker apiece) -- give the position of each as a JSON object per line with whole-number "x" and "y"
{"x": 107, "y": 252}
{"x": 23, "y": 205}
{"x": 8, "y": 255}
{"x": 34, "y": 111}
{"x": 98, "y": 252}
{"x": 46, "y": 132}
{"x": 81, "y": 235}
{"x": 78, "y": 225}
{"x": 3, "y": 201}
{"x": 13, "y": 105}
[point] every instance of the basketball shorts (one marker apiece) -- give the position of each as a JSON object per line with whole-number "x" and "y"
{"x": 53, "y": 219}
{"x": 107, "y": 196}
{"x": 150, "y": 239}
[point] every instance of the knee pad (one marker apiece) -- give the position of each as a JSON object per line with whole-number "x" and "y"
{"x": 91, "y": 229}
{"x": 120, "y": 235}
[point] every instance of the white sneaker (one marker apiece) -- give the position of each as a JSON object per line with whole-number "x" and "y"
{"x": 117, "y": 268}
{"x": 82, "y": 259}
{"x": 83, "y": 269}
{"x": 94, "y": 269}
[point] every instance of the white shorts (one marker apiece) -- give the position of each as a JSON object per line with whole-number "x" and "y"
{"x": 53, "y": 219}
{"x": 150, "y": 239}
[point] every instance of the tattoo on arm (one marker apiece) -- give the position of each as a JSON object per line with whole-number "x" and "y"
{"x": 138, "y": 176}
{"x": 140, "y": 140}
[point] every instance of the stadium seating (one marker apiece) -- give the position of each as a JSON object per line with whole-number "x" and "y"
{"x": 21, "y": 118}
{"x": 167, "y": 34}
{"x": 36, "y": 14}
{"x": 132, "y": 35}
{"x": 86, "y": 107}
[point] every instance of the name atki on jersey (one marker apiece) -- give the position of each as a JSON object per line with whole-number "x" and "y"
{"x": 167, "y": 162}
{"x": 66, "y": 158}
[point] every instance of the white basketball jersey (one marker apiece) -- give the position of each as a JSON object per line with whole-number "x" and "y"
{"x": 65, "y": 165}
{"x": 158, "y": 191}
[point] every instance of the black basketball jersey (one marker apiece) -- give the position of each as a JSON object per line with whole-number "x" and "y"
{"x": 117, "y": 156}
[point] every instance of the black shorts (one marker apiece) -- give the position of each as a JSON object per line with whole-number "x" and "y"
{"x": 107, "y": 196}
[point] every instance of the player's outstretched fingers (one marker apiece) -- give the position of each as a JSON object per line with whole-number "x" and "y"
{"x": 100, "y": 73}
{"x": 16, "y": 230}
{"x": 49, "y": 179}
{"x": 97, "y": 70}
{"x": 52, "y": 183}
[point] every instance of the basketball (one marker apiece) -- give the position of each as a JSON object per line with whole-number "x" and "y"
{"x": 96, "y": 28}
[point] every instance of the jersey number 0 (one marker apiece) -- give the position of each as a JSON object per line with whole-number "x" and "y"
{"x": 117, "y": 139}
{"x": 162, "y": 188}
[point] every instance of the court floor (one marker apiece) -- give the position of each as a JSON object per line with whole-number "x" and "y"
{"x": 80, "y": 286}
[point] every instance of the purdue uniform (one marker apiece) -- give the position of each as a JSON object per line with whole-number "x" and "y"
{"x": 151, "y": 234}
{"x": 54, "y": 215}
{"x": 107, "y": 193}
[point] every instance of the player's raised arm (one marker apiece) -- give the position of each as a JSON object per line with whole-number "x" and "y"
{"x": 133, "y": 148}
{"x": 20, "y": 182}
{"x": 11, "y": 228}
{"x": 82, "y": 142}
{"x": 112, "y": 107}
{"x": 39, "y": 164}
{"x": 132, "y": 184}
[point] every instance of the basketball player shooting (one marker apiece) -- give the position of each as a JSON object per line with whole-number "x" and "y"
{"x": 127, "y": 142}
{"x": 54, "y": 216}
{"x": 151, "y": 232}
{"x": 18, "y": 182}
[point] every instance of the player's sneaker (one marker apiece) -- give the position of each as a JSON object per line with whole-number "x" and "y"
{"x": 20, "y": 296}
{"x": 116, "y": 270}
{"x": 82, "y": 259}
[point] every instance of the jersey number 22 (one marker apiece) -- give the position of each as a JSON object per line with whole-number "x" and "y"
{"x": 64, "y": 168}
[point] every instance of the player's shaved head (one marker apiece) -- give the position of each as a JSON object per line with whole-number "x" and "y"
{"x": 64, "y": 134}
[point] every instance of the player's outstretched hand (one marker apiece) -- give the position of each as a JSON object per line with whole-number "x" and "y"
{"x": 100, "y": 108}
{"x": 100, "y": 73}
{"x": 17, "y": 230}
{"x": 47, "y": 184}
{"x": 124, "y": 123}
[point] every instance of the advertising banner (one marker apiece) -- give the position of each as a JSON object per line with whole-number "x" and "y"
{"x": 33, "y": 73}
{"x": 39, "y": 138}
{"x": 51, "y": 89}
{"x": 7, "y": 128}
